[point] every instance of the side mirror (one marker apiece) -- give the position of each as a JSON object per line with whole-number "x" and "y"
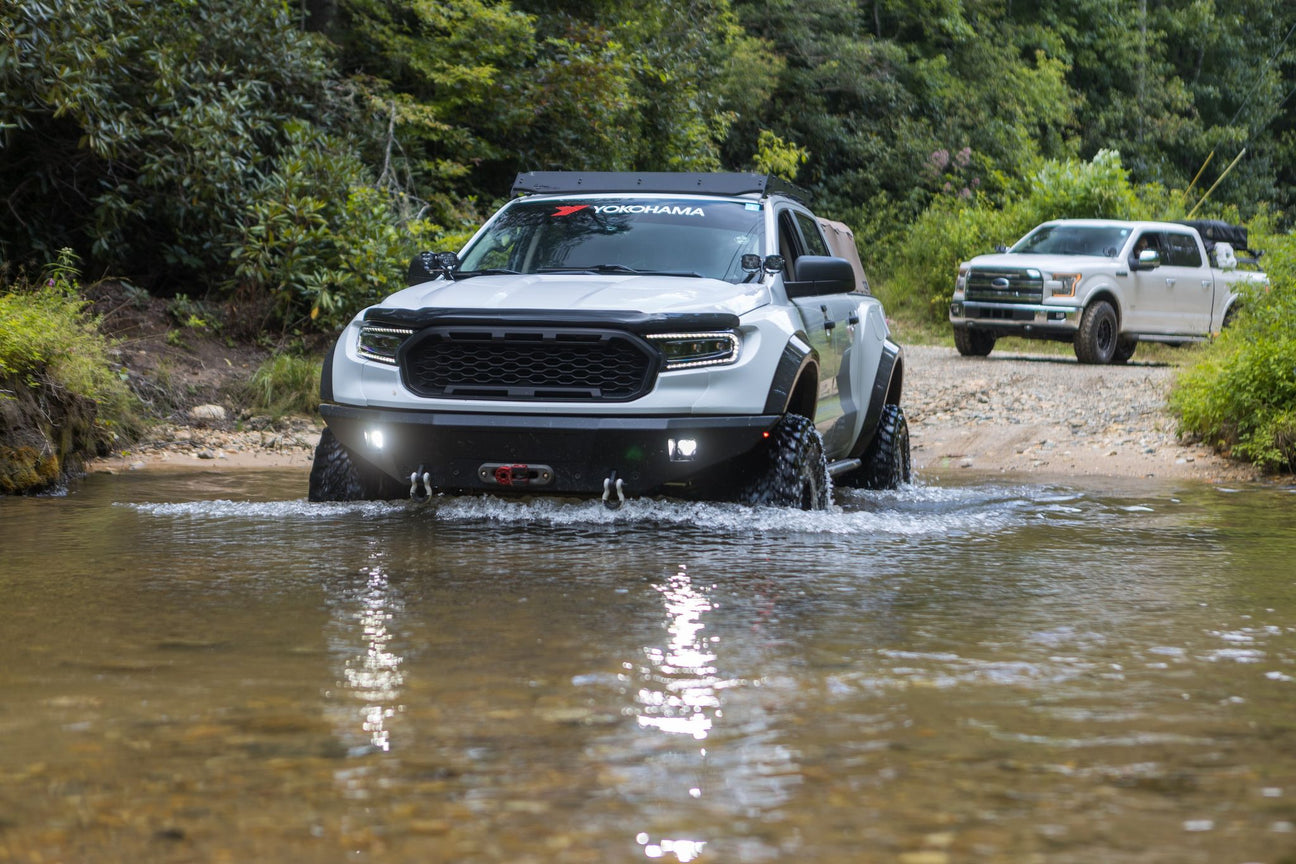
{"x": 1148, "y": 259}
{"x": 426, "y": 266}
{"x": 821, "y": 274}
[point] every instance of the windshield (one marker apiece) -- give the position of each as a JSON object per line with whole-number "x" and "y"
{"x": 1098, "y": 241}
{"x": 687, "y": 237}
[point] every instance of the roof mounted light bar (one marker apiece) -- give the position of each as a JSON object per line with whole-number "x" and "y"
{"x": 731, "y": 183}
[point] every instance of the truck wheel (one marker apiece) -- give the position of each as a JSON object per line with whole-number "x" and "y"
{"x": 336, "y": 475}
{"x": 797, "y": 474}
{"x": 1095, "y": 341}
{"x": 1125, "y": 346}
{"x": 973, "y": 343}
{"x": 886, "y": 461}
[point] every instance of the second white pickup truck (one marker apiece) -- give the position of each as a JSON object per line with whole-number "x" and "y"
{"x": 1103, "y": 285}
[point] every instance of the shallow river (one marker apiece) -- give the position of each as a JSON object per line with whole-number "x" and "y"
{"x": 202, "y": 667}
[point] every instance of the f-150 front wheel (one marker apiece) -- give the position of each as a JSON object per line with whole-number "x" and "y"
{"x": 1095, "y": 341}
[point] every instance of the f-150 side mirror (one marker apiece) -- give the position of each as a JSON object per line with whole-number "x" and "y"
{"x": 1148, "y": 259}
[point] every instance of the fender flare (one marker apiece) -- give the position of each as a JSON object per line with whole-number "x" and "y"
{"x": 888, "y": 385}
{"x": 798, "y": 358}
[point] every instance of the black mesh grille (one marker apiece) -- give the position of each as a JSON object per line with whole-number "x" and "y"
{"x": 1004, "y": 285}
{"x": 528, "y": 363}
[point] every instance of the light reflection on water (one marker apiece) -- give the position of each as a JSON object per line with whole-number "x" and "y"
{"x": 982, "y": 672}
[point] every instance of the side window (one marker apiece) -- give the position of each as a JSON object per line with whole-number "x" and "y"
{"x": 1183, "y": 251}
{"x": 814, "y": 241}
{"x": 1150, "y": 240}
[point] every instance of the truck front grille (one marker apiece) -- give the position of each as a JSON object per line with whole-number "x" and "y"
{"x": 1004, "y": 285}
{"x": 528, "y": 363}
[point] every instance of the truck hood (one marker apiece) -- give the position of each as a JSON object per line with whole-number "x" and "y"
{"x": 566, "y": 291}
{"x": 1043, "y": 263}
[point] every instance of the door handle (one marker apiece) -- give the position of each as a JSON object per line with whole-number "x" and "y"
{"x": 1170, "y": 281}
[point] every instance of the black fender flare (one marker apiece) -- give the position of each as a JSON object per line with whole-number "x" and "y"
{"x": 797, "y": 358}
{"x": 888, "y": 384}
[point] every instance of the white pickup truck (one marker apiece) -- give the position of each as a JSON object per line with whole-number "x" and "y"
{"x": 1103, "y": 285}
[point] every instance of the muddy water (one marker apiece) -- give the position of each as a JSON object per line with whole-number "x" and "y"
{"x": 207, "y": 668}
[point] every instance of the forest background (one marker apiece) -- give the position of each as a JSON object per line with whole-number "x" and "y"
{"x": 270, "y": 167}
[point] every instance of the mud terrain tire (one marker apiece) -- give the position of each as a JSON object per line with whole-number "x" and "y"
{"x": 1125, "y": 347}
{"x": 797, "y": 473}
{"x": 886, "y": 459}
{"x": 336, "y": 475}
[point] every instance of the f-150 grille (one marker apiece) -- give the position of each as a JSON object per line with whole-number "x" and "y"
{"x": 528, "y": 363}
{"x": 1005, "y": 285}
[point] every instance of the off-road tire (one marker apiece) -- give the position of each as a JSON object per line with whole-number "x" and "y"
{"x": 973, "y": 343}
{"x": 1125, "y": 347}
{"x": 886, "y": 461}
{"x": 797, "y": 472}
{"x": 336, "y": 475}
{"x": 1096, "y": 340}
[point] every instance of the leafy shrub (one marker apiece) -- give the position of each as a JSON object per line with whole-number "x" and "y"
{"x": 320, "y": 241}
{"x": 1241, "y": 396}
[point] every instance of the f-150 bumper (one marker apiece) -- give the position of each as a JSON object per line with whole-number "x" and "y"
{"x": 540, "y": 453}
{"x": 1009, "y": 318}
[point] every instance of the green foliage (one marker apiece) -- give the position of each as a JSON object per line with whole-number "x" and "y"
{"x": 1241, "y": 397}
{"x": 921, "y": 266}
{"x": 134, "y": 132}
{"x": 50, "y": 344}
{"x": 776, "y": 156}
{"x": 320, "y": 241}
{"x": 285, "y": 384}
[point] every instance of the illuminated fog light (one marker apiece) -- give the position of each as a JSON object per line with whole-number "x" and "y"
{"x": 375, "y": 438}
{"x": 682, "y": 450}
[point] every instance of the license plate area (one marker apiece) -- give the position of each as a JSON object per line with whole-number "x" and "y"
{"x": 512, "y": 475}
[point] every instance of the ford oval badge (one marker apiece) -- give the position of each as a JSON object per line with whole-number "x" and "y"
{"x": 1001, "y": 283}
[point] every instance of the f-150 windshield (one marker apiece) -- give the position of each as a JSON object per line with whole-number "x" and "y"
{"x": 1098, "y": 241}
{"x": 685, "y": 237}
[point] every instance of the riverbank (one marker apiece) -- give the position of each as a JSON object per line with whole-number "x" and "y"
{"x": 1010, "y": 413}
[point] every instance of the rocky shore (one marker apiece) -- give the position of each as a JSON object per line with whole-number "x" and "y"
{"x": 1013, "y": 413}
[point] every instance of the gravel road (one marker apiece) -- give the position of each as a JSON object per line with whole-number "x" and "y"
{"x": 1048, "y": 415}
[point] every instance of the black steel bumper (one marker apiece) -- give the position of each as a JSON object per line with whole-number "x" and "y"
{"x": 538, "y": 453}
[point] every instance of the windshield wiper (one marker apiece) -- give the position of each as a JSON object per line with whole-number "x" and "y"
{"x": 489, "y": 271}
{"x": 618, "y": 268}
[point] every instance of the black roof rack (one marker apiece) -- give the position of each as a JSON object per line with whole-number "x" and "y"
{"x": 733, "y": 183}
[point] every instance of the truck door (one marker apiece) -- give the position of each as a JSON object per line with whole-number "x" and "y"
{"x": 1191, "y": 284}
{"x": 830, "y": 326}
{"x": 1175, "y": 297}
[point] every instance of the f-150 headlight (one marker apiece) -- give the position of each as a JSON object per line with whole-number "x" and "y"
{"x": 380, "y": 344}
{"x": 691, "y": 350}
{"x": 1062, "y": 284}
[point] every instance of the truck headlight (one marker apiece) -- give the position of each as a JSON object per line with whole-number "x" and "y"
{"x": 691, "y": 350}
{"x": 1063, "y": 284}
{"x": 380, "y": 344}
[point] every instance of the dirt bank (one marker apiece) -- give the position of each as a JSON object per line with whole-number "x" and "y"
{"x": 1022, "y": 414}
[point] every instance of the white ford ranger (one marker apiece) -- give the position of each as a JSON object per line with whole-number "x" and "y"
{"x": 1103, "y": 285}
{"x": 616, "y": 334}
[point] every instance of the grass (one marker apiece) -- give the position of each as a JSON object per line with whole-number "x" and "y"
{"x": 285, "y": 384}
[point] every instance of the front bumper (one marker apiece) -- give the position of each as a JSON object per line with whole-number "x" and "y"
{"x": 1015, "y": 318}
{"x": 572, "y": 454}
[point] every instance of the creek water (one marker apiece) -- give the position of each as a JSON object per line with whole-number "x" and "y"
{"x": 205, "y": 667}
